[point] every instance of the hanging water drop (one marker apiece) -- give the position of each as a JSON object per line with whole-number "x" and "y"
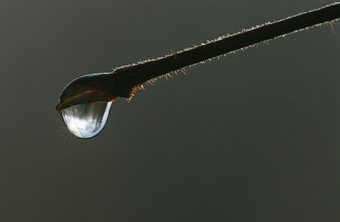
{"x": 95, "y": 92}
{"x": 86, "y": 120}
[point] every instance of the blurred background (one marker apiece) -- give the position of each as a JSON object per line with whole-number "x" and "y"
{"x": 251, "y": 137}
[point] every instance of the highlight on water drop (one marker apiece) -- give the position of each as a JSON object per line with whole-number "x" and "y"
{"x": 86, "y": 120}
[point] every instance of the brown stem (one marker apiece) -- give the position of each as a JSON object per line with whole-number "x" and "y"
{"x": 129, "y": 77}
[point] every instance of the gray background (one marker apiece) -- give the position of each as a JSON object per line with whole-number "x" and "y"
{"x": 251, "y": 137}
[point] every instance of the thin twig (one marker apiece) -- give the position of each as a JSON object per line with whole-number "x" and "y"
{"x": 137, "y": 74}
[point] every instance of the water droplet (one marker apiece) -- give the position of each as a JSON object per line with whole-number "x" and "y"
{"x": 86, "y": 120}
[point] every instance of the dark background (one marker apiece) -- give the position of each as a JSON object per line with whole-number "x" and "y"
{"x": 251, "y": 137}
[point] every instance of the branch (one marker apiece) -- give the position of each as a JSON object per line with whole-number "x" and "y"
{"x": 136, "y": 74}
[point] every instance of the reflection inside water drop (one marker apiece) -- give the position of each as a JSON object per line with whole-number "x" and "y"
{"x": 86, "y": 120}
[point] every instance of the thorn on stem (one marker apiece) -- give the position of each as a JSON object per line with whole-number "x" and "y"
{"x": 331, "y": 24}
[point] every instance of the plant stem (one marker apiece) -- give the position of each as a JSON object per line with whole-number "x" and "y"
{"x": 134, "y": 75}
